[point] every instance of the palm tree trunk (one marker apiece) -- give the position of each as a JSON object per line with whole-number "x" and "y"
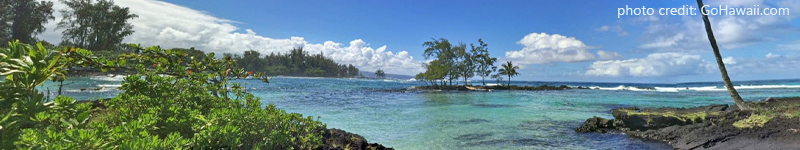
{"x": 465, "y": 80}
{"x": 728, "y": 85}
{"x": 509, "y": 80}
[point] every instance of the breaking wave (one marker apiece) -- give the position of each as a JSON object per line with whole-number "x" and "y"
{"x": 700, "y": 88}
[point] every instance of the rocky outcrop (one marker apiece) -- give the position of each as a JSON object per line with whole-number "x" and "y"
{"x": 335, "y": 139}
{"x": 707, "y": 127}
{"x": 648, "y": 119}
{"x": 596, "y": 124}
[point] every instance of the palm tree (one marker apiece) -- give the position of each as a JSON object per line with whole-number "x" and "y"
{"x": 728, "y": 85}
{"x": 510, "y": 70}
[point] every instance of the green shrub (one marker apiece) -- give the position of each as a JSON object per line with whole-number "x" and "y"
{"x": 755, "y": 120}
{"x": 179, "y": 103}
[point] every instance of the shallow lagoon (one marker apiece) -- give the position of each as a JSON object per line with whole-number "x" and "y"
{"x": 472, "y": 120}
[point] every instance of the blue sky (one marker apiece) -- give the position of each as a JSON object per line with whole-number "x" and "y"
{"x": 552, "y": 40}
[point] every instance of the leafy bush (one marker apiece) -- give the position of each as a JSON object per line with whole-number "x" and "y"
{"x": 178, "y": 103}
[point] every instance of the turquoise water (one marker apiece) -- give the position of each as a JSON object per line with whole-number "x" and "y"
{"x": 475, "y": 120}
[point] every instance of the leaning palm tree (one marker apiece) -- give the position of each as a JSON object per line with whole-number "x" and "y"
{"x": 728, "y": 85}
{"x": 510, "y": 70}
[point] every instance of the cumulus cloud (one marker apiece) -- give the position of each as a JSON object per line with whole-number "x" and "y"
{"x": 169, "y": 25}
{"x": 675, "y": 41}
{"x": 656, "y": 64}
{"x": 678, "y": 64}
{"x": 773, "y": 65}
{"x": 608, "y": 55}
{"x": 687, "y": 33}
{"x": 541, "y": 48}
{"x": 729, "y": 60}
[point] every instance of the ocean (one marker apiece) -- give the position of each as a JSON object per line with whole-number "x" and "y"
{"x": 379, "y": 111}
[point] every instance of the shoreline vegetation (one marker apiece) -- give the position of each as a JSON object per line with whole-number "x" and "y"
{"x": 771, "y": 124}
{"x": 171, "y": 101}
{"x": 194, "y": 106}
{"x": 332, "y": 138}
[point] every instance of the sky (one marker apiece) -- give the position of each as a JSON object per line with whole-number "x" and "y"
{"x": 567, "y": 40}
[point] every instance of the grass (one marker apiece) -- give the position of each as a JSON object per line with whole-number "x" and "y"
{"x": 755, "y": 120}
{"x": 763, "y": 112}
{"x": 693, "y": 117}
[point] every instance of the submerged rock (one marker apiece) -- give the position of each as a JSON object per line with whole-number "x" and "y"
{"x": 473, "y": 136}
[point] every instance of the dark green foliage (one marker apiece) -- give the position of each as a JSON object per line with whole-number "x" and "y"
{"x": 95, "y": 25}
{"x": 509, "y": 70}
{"x": 455, "y": 61}
{"x": 484, "y": 63}
{"x": 443, "y": 67}
{"x": 380, "y": 74}
{"x": 193, "y": 107}
{"x": 295, "y": 63}
{"x": 22, "y": 107}
{"x": 23, "y": 19}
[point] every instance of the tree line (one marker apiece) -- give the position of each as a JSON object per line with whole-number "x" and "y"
{"x": 100, "y": 25}
{"x": 455, "y": 61}
{"x": 96, "y": 25}
{"x": 296, "y": 62}
{"x": 195, "y": 107}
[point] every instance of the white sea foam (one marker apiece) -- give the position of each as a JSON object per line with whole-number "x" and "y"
{"x": 621, "y": 88}
{"x": 676, "y": 89}
{"x": 108, "y": 78}
{"x": 90, "y": 90}
{"x": 701, "y": 88}
{"x": 492, "y": 84}
{"x": 767, "y": 86}
{"x": 109, "y": 85}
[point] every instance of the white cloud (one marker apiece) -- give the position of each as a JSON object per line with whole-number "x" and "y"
{"x": 617, "y": 28}
{"x": 687, "y": 33}
{"x": 603, "y": 28}
{"x": 729, "y": 60}
{"x": 681, "y": 37}
{"x": 608, "y": 55}
{"x": 540, "y": 48}
{"x": 656, "y": 64}
{"x": 664, "y": 42}
{"x": 773, "y": 65}
{"x": 789, "y": 46}
{"x": 169, "y": 25}
{"x": 770, "y": 55}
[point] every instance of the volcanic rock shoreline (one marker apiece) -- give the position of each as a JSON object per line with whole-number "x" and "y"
{"x": 707, "y": 127}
